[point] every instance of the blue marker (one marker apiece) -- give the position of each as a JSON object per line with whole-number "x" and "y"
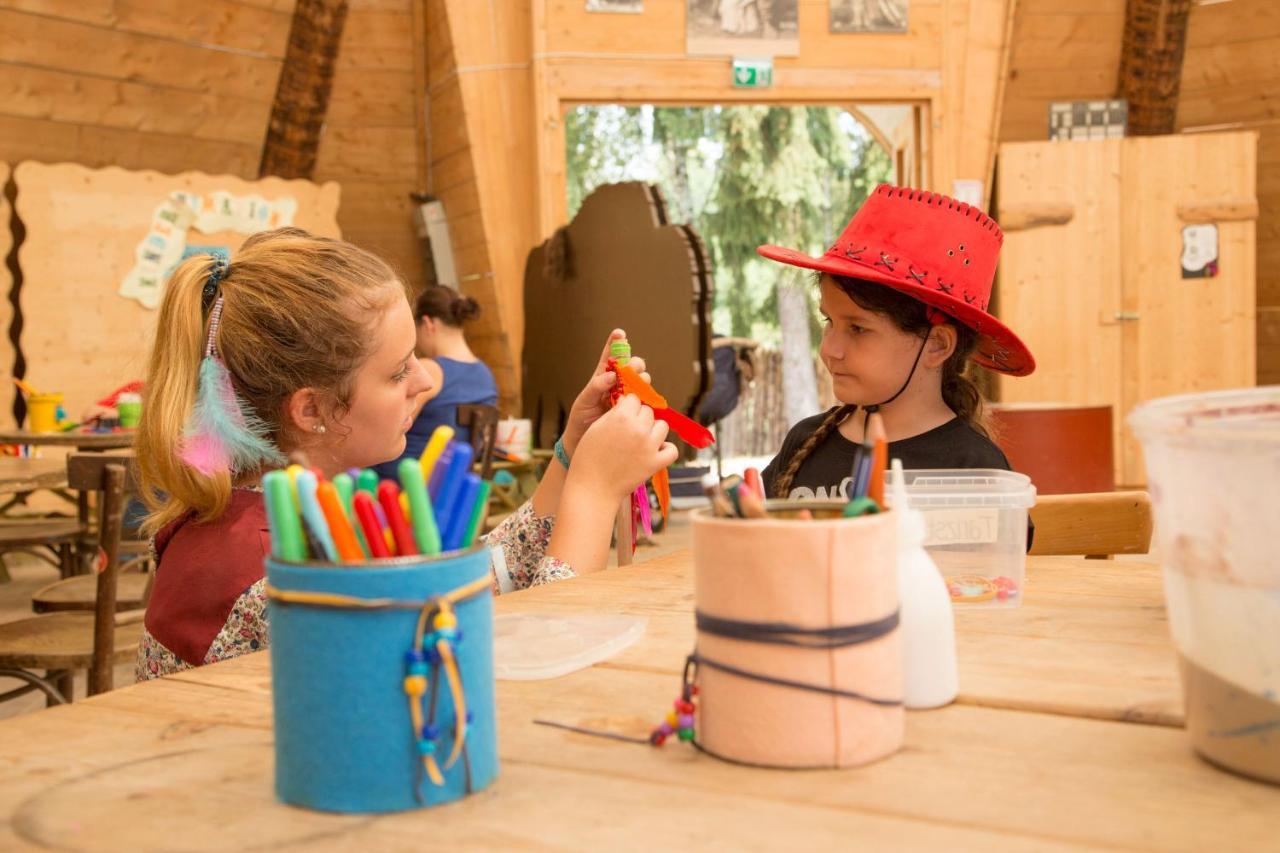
{"x": 460, "y": 515}
{"x": 313, "y": 516}
{"x": 446, "y": 499}
{"x": 438, "y": 471}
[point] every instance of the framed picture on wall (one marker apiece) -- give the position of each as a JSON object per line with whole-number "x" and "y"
{"x": 868, "y": 16}
{"x": 742, "y": 28}
{"x": 633, "y": 7}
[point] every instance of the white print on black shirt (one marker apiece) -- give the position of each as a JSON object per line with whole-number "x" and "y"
{"x": 841, "y": 492}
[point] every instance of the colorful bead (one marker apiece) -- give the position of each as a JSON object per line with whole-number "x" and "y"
{"x": 671, "y": 718}
{"x": 686, "y": 734}
{"x": 445, "y": 619}
{"x": 685, "y": 721}
{"x": 430, "y": 732}
{"x": 414, "y": 656}
{"x": 415, "y": 685}
{"x": 418, "y": 667}
{"x": 426, "y": 747}
{"x": 667, "y": 729}
{"x": 684, "y": 707}
{"x": 657, "y": 738}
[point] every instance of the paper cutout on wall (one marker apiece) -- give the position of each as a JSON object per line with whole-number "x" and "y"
{"x": 161, "y": 250}
{"x": 1200, "y": 251}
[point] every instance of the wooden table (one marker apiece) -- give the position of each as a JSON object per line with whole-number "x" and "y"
{"x": 1050, "y": 748}
{"x": 28, "y": 475}
{"x": 84, "y": 441}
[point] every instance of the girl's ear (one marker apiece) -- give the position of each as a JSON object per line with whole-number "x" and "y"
{"x": 303, "y": 413}
{"x": 940, "y": 345}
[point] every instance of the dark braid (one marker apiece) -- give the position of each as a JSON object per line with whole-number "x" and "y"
{"x": 782, "y": 483}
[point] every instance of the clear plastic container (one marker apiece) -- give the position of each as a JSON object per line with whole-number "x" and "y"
{"x": 975, "y": 530}
{"x": 1213, "y": 468}
{"x": 535, "y": 646}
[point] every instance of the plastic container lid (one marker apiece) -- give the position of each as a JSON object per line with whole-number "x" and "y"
{"x": 534, "y": 646}
{"x": 975, "y": 487}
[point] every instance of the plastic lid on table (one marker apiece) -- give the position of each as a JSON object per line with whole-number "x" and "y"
{"x": 534, "y": 646}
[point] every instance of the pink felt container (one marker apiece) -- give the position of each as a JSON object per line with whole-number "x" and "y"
{"x": 827, "y": 573}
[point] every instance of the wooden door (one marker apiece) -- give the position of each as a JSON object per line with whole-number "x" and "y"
{"x": 1059, "y": 285}
{"x": 1186, "y": 334}
{"x": 1091, "y": 273}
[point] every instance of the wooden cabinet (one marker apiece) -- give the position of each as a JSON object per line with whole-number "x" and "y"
{"x": 1091, "y": 274}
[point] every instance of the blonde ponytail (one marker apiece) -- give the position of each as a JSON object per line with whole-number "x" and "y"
{"x": 169, "y": 487}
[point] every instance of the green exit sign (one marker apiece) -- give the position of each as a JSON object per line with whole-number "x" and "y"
{"x": 753, "y": 73}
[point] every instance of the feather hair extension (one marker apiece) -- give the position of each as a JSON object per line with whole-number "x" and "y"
{"x": 221, "y": 435}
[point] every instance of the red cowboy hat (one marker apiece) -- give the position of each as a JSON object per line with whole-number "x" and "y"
{"x": 939, "y": 250}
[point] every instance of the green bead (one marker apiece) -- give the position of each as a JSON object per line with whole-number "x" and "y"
{"x": 418, "y": 668}
{"x": 686, "y": 734}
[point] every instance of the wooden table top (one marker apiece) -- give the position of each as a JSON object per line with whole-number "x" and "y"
{"x": 1038, "y": 755}
{"x": 28, "y": 475}
{"x": 73, "y": 438}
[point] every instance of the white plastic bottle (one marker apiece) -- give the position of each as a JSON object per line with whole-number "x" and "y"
{"x": 928, "y": 625}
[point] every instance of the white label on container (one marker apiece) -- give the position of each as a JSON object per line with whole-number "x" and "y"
{"x": 976, "y": 526}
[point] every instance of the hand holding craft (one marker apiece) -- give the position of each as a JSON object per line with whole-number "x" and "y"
{"x": 594, "y": 399}
{"x": 621, "y": 450}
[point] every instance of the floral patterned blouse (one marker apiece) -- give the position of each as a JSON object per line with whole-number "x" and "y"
{"x": 518, "y": 561}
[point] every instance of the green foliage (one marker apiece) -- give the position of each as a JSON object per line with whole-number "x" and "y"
{"x": 743, "y": 176}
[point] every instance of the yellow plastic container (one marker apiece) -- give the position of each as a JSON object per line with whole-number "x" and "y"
{"x": 42, "y": 412}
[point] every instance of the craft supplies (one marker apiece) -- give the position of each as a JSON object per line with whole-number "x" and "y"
{"x": 879, "y": 458}
{"x": 930, "y": 674}
{"x": 335, "y": 520}
{"x": 42, "y": 412}
{"x": 1213, "y": 462}
{"x": 129, "y": 408}
{"x": 382, "y": 682}
{"x": 440, "y": 438}
{"x": 794, "y": 668}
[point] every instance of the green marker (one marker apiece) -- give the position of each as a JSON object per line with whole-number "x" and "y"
{"x": 478, "y": 514}
{"x": 346, "y": 488}
{"x": 422, "y": 518}
{"x": 860, "y": 506}
{"x": 282, "y": 517}
{"x": 368, "y": 482}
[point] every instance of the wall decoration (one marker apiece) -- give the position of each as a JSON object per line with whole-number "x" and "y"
{"x": 742, "y": 28}
{"x": 161, "y": 250}
{"x": 868, "y": 16}
{"x": 1200, "y": 251}
{"x": 633, "y": 7}
{"x": 1088, "y": 119}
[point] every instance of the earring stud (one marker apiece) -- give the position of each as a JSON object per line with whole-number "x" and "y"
{"x": 318, "y": 429}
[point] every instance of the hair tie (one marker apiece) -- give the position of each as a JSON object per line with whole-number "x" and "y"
{"x": 216, "y": 275}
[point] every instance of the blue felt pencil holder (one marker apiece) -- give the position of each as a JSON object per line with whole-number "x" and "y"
{"x": 342, "y": 645}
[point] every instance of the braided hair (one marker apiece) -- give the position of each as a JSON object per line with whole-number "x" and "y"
{"x": 912, "y": 316}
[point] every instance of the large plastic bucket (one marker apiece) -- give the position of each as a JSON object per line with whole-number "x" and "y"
{"x": 1213, "y": 465}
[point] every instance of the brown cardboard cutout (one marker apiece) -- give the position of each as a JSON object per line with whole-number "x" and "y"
{"x": 618, "y": 264}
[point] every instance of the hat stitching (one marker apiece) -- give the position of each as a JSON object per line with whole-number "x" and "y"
{"x": 918, "y": 276}
{"x": 886, "y": 261}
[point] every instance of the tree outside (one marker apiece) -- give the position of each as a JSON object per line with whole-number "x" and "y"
{"x": 742, "y": 176}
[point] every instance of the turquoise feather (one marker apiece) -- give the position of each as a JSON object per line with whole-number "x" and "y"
{"x": 221, "y": 435}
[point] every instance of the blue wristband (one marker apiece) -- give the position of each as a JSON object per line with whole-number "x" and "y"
{"x": 561, "y": 454}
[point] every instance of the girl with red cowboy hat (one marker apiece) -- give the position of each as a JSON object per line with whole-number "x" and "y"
{"x": 904, "y": 298}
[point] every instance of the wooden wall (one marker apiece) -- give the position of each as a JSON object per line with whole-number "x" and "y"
{"x": 1231, "y": 77}
{"x": 373, "y": 141}
{"x": 1063, "y": 50}
{"x": 173, "y": 85}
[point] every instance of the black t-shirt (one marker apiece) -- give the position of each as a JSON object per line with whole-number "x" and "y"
{"x": 825, "y": 473}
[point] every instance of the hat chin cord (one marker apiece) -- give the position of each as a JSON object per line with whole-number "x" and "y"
{"x": 875, "y": 407}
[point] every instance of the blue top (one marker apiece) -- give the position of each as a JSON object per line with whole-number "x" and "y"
{"x": 465, "y": 382}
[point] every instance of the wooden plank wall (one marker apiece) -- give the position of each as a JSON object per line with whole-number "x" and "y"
{"x": 371, "y": 143}
{"x": 175, "y": 86}
{"x": 1063, "y": 50}
{"x": 142, "y": 84}
{"x": 1229, "y": 77}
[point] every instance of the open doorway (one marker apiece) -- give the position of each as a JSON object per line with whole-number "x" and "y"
{"x": 744, "y": 176}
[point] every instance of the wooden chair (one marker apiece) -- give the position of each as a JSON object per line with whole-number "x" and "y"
{"x": 482, "y": 421}
{"x": 63, "y": 642}
{"x": 1098, "y": 525}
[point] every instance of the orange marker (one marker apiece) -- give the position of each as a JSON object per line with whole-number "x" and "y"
{"x": 752, "y": 478}
{"x": 879, "y": 458}
{"x": 344, "y": 535}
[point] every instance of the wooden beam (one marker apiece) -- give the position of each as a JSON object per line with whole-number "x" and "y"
{"x": 1155, "y": 39}
{"x": 302, "y": 95}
